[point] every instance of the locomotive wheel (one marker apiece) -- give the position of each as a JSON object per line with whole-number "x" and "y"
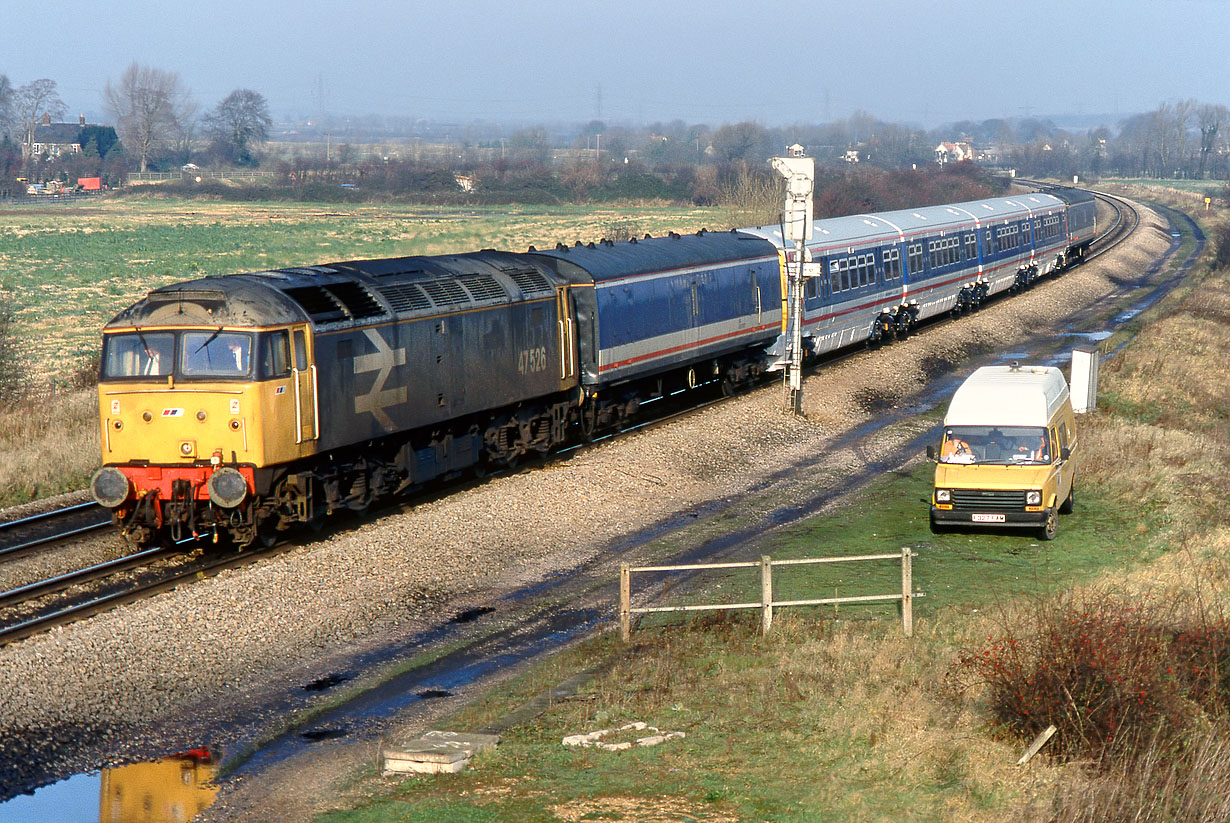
{"x": 728, "y": 387}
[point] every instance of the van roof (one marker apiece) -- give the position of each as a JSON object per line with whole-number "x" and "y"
{"x": 1008, "y": 396}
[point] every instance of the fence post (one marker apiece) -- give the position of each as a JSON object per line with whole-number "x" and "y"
{"x": 625, "y": 602}
{"x": 766, "y": 594}
{"x": 907, "y": 587}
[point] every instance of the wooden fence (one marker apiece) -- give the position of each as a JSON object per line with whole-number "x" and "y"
{"x": 766, "y": 603}
{"x": 138, "y": 177}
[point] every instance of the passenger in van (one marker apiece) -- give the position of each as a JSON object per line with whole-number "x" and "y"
{"x": 956, "y": 450}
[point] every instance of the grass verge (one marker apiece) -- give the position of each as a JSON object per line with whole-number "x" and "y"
{"x": 837, "y": 716}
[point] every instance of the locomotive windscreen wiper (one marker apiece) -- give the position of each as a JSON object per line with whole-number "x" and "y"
{"x": 209, "y": 340}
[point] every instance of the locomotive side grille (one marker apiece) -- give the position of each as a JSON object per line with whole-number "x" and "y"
{"x": 986, "y": 499}
{"x": 357, "y": 300}
{"x": 483, "y": 287}
{"x": 530, "y": 281}
{"x": 405, "y": 297}
{"x": 318, "y": 303}
{"x": 445, "y": 292}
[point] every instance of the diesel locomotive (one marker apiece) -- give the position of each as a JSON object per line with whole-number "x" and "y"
{"x": 239, "y": 406}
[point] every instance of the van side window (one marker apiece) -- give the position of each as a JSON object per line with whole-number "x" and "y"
{"x": 1063, "y": 435}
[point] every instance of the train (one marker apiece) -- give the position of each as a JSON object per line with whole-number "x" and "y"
{"x": 241, "y": 406}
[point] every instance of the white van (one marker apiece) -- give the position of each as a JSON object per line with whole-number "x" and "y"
{"x": 1006, "y": 457}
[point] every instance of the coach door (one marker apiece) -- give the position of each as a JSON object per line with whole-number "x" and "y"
{"x": 567, "y": 338}
{"x": 307, "y": 393}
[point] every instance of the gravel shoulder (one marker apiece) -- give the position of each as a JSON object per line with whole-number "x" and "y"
{"x": 71, "y": 696}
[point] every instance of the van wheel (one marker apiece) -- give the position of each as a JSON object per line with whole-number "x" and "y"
{"x": 1068, "y": 505}
{"x": 1051, "y": 527}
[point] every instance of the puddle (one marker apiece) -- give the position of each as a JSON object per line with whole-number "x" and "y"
{"x": 170, "y": 790}
{"x": 321, "y": 684}
{"x": 470, "y": 615}
{"x": 317, "y": 735}
{"x": 1095, "y": 336}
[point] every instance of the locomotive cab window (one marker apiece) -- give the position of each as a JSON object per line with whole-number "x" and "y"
{"x": 275, "y": 354}
{"x": 141, "y": 354}
{"x": 206, "y": 354}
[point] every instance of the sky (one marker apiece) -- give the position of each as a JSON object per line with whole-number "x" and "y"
{"x": 637, "y": 62}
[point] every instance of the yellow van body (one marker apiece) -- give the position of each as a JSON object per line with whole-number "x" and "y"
{"x": 1006, "y": 459}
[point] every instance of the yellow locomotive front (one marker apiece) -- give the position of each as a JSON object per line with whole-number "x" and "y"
{"x": 193, "y": 414}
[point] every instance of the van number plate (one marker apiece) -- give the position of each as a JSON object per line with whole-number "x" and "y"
{"x": 987, "y": 518}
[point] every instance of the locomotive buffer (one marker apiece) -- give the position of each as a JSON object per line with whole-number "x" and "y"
{"x": 800, "y": 175}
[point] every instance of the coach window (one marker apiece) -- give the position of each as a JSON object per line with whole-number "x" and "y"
{"x": 915, "y": 258}
{"x": 812, "y": 289}
{"x": 275, "y": 355}
{"x": 834, "y": 282}
{"x": 892, "y": 264}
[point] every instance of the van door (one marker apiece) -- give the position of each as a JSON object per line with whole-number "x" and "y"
{"x": 307, "y": 398}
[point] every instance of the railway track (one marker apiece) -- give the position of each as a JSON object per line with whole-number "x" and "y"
{"x": 46, "y": 604}
{"x": 19, "y": 537}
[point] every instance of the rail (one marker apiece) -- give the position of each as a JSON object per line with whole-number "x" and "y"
{"x": 767, "y": 604}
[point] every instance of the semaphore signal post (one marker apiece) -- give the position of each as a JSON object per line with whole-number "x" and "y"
{"x": 800, "y": 175}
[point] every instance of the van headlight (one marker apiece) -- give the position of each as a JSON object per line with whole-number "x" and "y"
{"x": 943, "y": 495}
{"x": 1033, "y": 498}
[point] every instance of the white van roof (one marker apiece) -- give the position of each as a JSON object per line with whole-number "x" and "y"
{"x": 1008, "y": 396}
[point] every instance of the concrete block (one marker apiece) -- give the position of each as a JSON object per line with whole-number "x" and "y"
{"x": 435, "y": 752}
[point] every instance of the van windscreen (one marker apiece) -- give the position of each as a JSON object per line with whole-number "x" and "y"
{"x": 1003, "y": 445}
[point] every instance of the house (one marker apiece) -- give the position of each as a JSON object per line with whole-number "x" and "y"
{"x": 947, "y": 152}
{"x": 54, "y": 139}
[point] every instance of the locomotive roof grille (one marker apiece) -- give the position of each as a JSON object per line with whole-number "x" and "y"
{"x": 483, "y": 287}
{"x": 173, "y": 295}
{"x": 446, "y": 292}
{"x": 530, "y": 281}
{"x": 405, "y": 297}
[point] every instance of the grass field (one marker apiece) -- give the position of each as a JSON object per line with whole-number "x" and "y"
{"x": 66, "y": 272}
{"x": 837, "y": 716}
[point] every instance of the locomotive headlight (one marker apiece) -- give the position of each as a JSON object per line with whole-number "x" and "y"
{"x": 186, "y": 448}
{"x": 943, "y": 495}
{"x": 110, "y": 487}
{"x": 1033, "y": 498}
{"x": 201, "y": 415}
{"x": 118, "y": 424}
{"x": 227, "y": 488}
{"x": 146, "y": 416}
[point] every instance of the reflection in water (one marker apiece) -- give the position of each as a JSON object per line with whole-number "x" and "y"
{"x": 171, "y": 790}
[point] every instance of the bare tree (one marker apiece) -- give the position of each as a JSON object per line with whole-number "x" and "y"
{"x": 240, "y": 120}
{"x": 150, "y": 108}
{"x": 8, "y": 100}
{"x": 1210, "y": 118}
{"x": 34, "y": 100}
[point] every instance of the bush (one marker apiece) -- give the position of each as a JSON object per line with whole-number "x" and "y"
{"x": 1222, "y": 261}
{"x": 1117, "y": 679}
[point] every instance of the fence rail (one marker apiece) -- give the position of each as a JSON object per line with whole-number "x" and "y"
{"x": 767, "y": 604}
{"x": 203, "y": 174}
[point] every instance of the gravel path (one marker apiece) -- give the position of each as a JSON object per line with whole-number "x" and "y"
{"x": 247, "y": 632}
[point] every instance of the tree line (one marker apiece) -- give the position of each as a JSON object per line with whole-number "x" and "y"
{"x": 155, "y": 119}
{"x": 158, "y": 125}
